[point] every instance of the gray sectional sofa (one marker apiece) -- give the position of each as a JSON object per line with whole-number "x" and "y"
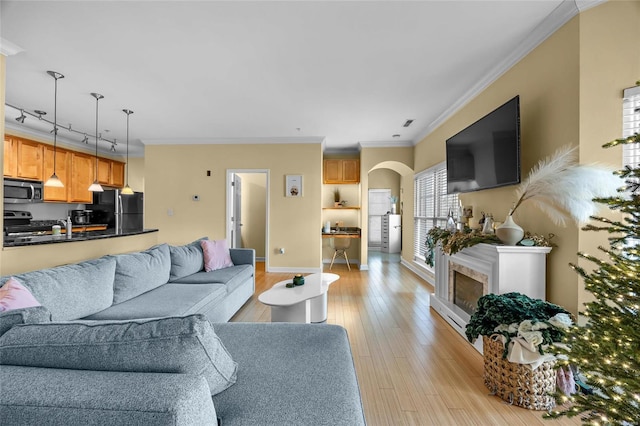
{"x": 142, "y": 338}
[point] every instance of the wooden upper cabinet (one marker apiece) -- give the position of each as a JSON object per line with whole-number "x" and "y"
{"x": 117, "y": 174}
{"x": 30, "y": 159}
{"x": 104, "y": 171}
{"x": 10, "y": 167}
{"x": 82, "y": 169}
{"x": 63, "y": 162}
{"x": 351, "y": 171}
{"x": 341, "y": 171}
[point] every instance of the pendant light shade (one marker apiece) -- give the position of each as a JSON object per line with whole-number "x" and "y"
{"x": 95, "y": 186}
{"x": 54, "y": 181}
{"x": 127, "y": 189}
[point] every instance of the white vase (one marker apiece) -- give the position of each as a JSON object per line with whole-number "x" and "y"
{"x": 393, "y": 208}
{"x": 509, "y": 232}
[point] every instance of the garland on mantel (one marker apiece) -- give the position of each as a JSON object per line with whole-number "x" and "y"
{"x": 453, "y": 242}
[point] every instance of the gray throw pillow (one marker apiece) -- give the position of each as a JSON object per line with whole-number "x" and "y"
{"x": 137, "y": 273}
{"x": 32, "y": 315}
{"x": 186, "y": 345}
{"x": 186, "y": 260}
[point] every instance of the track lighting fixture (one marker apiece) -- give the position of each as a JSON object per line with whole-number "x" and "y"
{"x": 40, "y": 113}
{"x": 86, "y": 139}
{"x": 22, "y": 117}
{"x": 95, "y": 186}
{"x": 54, "y": 181}
{"x": 127, "y": 189}
{"x": 113, "y": 146}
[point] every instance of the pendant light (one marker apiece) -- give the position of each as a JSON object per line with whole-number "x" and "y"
{"x": 95, "y": 186}
{"x": 54, "y": 181}
{"x": 127, "y": 189}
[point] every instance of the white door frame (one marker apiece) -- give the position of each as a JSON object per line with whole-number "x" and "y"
{"x": 229, "y": 209}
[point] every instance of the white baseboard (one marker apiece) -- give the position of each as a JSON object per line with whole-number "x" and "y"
{"x": 293, "y": 270}
{"x": 419, "y": 271}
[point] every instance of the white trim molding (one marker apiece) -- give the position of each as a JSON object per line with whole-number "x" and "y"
{"x": 7, "y": 48}
{"x": 233, "y": 141}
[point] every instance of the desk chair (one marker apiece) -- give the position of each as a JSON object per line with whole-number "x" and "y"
{"x": 340, "y": 247}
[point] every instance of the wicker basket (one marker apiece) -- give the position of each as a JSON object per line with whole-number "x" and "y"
{"x": 516, "y": 383}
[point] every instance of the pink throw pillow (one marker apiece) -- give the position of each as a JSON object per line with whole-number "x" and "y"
{"x": 216, "y": 254}
{"x": 14, "y": 295}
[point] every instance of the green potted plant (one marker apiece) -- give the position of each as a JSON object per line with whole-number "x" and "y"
{"x": 336, "y": 197}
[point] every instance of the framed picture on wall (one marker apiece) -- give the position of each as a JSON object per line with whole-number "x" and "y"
{"x": 293, "y": 186}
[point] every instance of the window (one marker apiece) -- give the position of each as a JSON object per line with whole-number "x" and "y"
{"x": 431, "y": 205}
{"x": 631, "y": 125}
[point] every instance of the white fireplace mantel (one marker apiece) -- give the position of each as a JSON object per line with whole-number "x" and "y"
{"x": 504, "y": 268}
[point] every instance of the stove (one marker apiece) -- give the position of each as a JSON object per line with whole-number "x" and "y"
{"x": 19, "y": 223}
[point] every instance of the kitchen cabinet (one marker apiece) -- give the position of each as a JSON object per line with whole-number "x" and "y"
{"x": 117, "y": 174}
{"x": 341, "y": 171}
{"x": 104, "y": 171}
{"x": 30, "y": 155}
{"x": 82, "y": 176}
{"x": 391, "y": 233}
{"x": 10, "y": 167}
{"x": 63, "y": 160}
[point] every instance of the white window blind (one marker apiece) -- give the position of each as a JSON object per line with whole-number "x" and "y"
{"x": 431, "y": 205}
{"x": 631, "y": 125}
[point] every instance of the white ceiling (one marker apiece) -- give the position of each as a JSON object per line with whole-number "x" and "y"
{"x": 348, "y": 73}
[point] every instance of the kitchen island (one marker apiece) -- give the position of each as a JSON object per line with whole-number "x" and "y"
{"x": 75, "y": 236}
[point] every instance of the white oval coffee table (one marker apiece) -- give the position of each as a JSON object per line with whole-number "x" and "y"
{"x": 306, "y": 303}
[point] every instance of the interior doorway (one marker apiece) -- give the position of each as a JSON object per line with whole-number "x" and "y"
{"x": 379, "y": 205}
{"x": 248, "y": 210}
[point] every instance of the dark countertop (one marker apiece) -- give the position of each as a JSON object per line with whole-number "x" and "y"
{"x": 76, "y": 236}
{"x": 345, "y": 232}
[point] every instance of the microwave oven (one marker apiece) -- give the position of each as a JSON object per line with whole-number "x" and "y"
{"x": 22, "y": 191}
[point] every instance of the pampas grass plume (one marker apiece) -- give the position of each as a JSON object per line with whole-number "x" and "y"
{"x": 564, "y": 190}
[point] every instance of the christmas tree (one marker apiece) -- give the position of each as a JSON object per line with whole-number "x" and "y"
{"x": 607, "y": 348}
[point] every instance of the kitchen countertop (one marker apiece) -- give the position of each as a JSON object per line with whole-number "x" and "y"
{"x": 76, "y": 236}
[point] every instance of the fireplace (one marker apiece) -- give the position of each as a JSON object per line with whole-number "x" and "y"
{"x": 466, "y": 292}
{"x": 464, "y": 277}
{"x": 466, "y": 286}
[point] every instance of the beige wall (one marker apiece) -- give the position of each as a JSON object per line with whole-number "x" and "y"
{"x": 548, "y": 85}
{"x": 136, "y": 173}
{"x": 174, "y": 173}
{"x": 254, "y": 211}
{"x": 570, "y": 93}
{"x": 609, "y": 62}
{"x": 385, "y": 179}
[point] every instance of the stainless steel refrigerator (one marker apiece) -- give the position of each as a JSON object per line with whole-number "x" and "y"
{"x": 125, "y": 213}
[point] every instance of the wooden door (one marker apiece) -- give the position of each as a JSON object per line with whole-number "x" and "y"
{"x": 332, "y": 171}
{"x": 117, "y": 174}
{"x": 350, "y": 171}
{"x": 30, "y": 159}
{"x": 10, "y": 167}
{"x": 82, "y": 169}
{"x": 63, "y": 158}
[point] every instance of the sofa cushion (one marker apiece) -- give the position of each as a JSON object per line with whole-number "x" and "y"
{"x": 216, "y": 254}
{"x": 50, "y": 396}
{"x": 14, "y": 295}
{"x": 137, "y": 273}
{"x": 231, "y": 277}
{"x": 186, "y": 260}
{"x": 72, "y": 291}
{"x": 167, "y": 345}
{"x": 164, "y": 301}
{"x": 292, "y": 374}
{"x": 31, "y": 315}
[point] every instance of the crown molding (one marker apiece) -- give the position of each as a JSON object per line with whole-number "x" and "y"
{"x": 233, "y": 141}
{"x": 386, "y": 144}
{"x": 7, "y": 48}
{"x": 556, "y": 19}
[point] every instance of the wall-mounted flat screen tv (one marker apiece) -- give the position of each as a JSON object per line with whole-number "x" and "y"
{"x": 487, "y": 153}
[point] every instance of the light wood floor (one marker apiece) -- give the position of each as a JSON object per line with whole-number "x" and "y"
{"x": 413, "y": 369}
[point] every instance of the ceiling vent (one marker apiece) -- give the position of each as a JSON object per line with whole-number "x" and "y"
{"x": 407, "y": 123}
